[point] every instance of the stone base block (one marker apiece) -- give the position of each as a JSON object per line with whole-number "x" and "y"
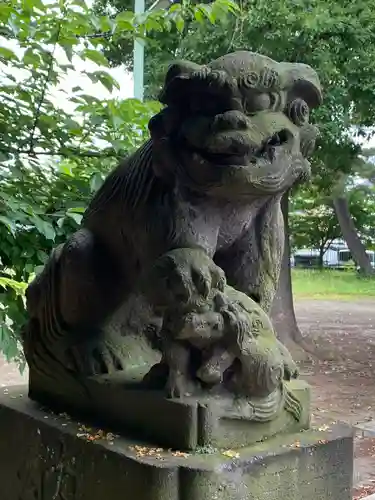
{"x": 185, "y": 424}
{"x": 51, "y": 457}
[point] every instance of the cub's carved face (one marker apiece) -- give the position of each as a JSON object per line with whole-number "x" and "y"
{"x": 236, "y": 127}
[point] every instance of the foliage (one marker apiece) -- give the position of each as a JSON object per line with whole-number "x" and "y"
{"x": 56, "y": 145}
{"x": 336, "y": 39}
{"x": 162, "y": 47}
{"x": 313, "y": 224}
{"x": 313, "y": 221}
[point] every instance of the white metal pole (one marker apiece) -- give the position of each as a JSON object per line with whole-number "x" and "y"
{"x": 139, "y": 55}
{"x": 139, "y": 47}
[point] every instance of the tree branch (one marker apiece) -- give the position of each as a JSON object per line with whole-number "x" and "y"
{"x": 65, "y": 152}
{"x": 329, "y": 241}
{"x": 44, "y": 87}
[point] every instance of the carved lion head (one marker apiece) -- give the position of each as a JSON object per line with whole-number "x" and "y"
{"x": 237, "y": 126}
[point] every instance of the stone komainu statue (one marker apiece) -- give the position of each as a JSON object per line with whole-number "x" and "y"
{"x": 234, "y": 135}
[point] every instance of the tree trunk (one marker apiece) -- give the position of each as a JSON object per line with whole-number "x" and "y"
{"x": 282, "y": 311}
{"x": 321, "y": 257}
{"x": 350, "y": 235}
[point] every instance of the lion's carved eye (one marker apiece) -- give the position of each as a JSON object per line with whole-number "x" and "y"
{"x": 257, "y": 101}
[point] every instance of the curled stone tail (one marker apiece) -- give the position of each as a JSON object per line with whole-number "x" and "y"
{"x": 292, "y": 404}
{"x": 266, "y": 409}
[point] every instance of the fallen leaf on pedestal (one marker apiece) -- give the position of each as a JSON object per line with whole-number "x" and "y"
{"x": 231, "y": 454}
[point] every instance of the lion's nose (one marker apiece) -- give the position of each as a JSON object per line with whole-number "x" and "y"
{"x": 231, "y": 120}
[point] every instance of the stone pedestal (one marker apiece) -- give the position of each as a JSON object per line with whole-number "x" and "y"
{"x": 50, "y": 457}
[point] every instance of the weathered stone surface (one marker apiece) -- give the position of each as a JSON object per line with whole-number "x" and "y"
{"x": 172, "y": 273}
{"x": 47, "y": 457}
{"x": 366, "y": 428}
{"x": 185, "y": 423}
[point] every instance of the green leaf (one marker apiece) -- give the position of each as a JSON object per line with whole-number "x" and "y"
{"x": 10, "y": 348}
{"x": 4, "y": 156}
{"x": 124, "y": 21}
{"x": 198, "y": 16}
{"x": 180, "y": 23}
{"x": 207, "y": 12}
{"x": 60, "y": 222}
{"x": 68, "y": 49}
{"x": 117, "y": 145}
{"x": 44, "y": 228}
{"x": 95, "y": 182}
{"x": 76, "y": 217}
{"x": 95, "y": 56}
{"x": 97, "y": 119}
{"x": 66, "y": 169}
{"x": 153, "y": 24}
{"x": 106, "y": 24}
{"x": 77, "y": 210}
{"x": 95, "y": 20}
{"x": 42, "y": 256}
{"x": 72, "y": 125}
{"x": 227, "y": 5}
{"x": 79, "y": 3}
{"x": 66, "y": 67}
{"x": 18, "y": 286}
{"x": 117, "y": 120}
{"x": 14, "y": 26}
{"x": 88, "y": 99}
{"x": 104, "y": 78}
{"x": 34, "y": 4}
{"x": 31, "y": 57}
{"x": 9, "y": 223}
{"x": 177, "y": 7}
{"x": 7, "y": 54}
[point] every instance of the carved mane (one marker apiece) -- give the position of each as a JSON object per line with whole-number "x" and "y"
{"x": 133, "y": 182}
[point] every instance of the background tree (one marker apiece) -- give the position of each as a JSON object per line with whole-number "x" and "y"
{"x": 314, "y": 223}
{"x": 341, "y": 195}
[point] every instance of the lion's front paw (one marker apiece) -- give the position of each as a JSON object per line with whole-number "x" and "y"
{"x": 181, "y": 276}
{"x": 195, "y": 273}
{"x": 207, "y": 277}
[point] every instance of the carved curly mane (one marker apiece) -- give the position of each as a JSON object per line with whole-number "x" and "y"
{"x": 134, "y": 183}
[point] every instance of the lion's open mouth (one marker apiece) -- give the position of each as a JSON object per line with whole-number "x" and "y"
{"x": 267, "y": 151}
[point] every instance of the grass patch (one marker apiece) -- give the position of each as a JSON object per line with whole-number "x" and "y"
{"x": 330, "y": 284}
